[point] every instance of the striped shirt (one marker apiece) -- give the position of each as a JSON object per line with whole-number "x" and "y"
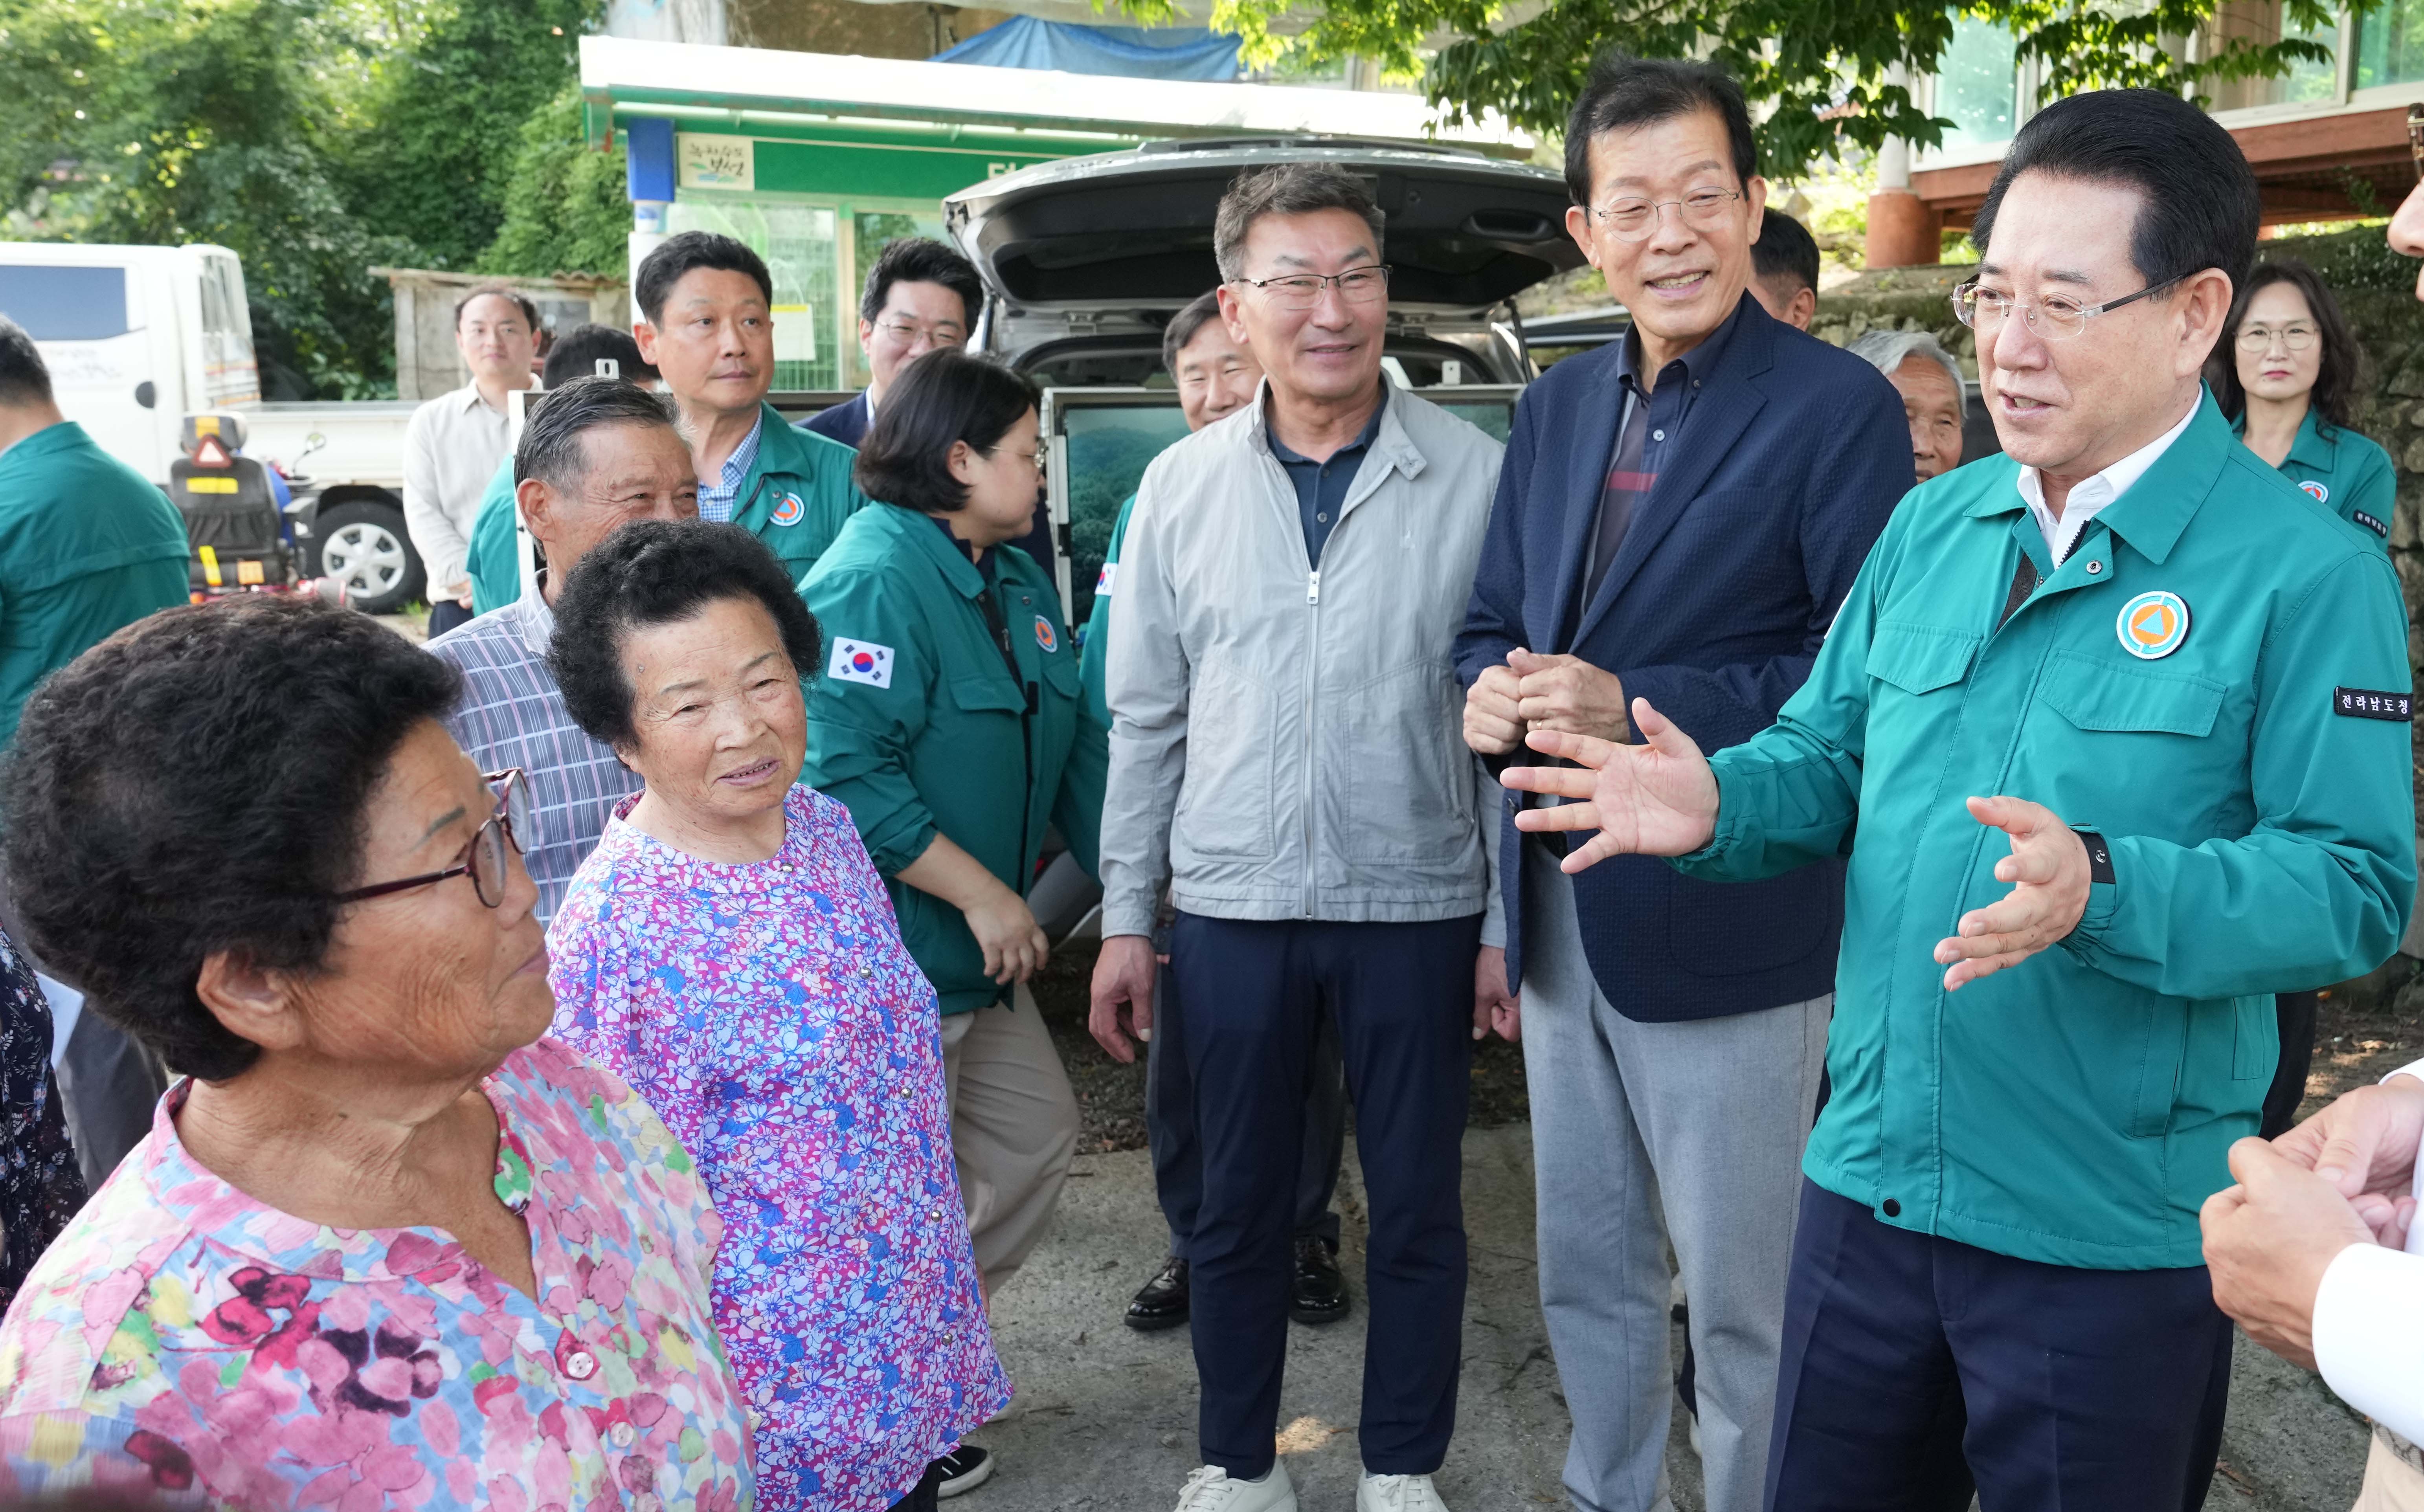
{"x": 513, "y": 715}
{"x": 717, "y": 500}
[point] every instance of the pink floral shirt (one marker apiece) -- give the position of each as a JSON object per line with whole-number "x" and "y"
{"x": 772, "y": 1014}
{"x": 181, "y": 1337}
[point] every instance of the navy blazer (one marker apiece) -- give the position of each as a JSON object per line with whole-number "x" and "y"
{"x": 845, "y": 422}
{"x": 1792, "y": 455}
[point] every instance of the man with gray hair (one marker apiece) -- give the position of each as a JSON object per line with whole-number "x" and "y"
{"x": 1929, "y": 380}
{"x": 595, "y": 455}
{"x": 1284, "y": 752}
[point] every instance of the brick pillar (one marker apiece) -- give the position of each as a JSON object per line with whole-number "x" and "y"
{"x": 1902, "y": 231}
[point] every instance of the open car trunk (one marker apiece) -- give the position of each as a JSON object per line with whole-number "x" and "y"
{"x": 1092, "y": 255}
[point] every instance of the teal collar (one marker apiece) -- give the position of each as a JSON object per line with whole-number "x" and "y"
{"x": 2308, "y": 449}
{"x": 67, "y": 436}
{"x": 913, "y": 531}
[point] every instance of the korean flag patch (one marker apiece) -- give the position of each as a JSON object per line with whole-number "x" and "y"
{"x": 861, "y": 661}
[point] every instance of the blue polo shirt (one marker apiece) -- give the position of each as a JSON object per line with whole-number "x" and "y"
{"x": 1321, "y": 486}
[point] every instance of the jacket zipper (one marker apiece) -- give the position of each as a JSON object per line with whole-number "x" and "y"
{"x": 997, "y": 622}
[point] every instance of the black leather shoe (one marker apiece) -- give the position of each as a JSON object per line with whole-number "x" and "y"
{"x": 1316, "y": 1292}
{"x": 1163, "y": 1302}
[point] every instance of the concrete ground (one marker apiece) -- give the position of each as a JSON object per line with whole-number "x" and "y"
{"x": 1105, "y": 1417}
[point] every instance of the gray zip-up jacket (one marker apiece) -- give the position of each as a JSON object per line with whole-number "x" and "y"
{"x": 1287, "y": 736}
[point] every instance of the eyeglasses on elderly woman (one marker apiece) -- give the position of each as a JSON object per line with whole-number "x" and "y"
{"x": 485, "y": 862}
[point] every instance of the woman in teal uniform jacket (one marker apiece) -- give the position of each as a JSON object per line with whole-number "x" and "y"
{"x": 950, "y": 721}
{"x": 2285, "y": 371}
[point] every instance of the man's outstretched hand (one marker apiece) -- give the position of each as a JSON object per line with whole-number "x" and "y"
{"x": 2047, "y": 868}
{"x": 1659, "y": 799}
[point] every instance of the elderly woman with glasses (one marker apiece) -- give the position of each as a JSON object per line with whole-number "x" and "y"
{"x": 729, "y": 949}
{"x": 952, "y": 723}
{"x": 385, "y": 1246}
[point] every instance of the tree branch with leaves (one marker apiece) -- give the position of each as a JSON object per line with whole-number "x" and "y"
{"x": 1823, "y": 75}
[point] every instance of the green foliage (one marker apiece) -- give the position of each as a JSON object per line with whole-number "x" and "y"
{"x": 2358, "y": 257}
{"x": 448, "y": 110}
{"x": 204, "y": 121}
{"x": 1817, "y": 72}
{"x": 316, "y": 139}
{"x": 566, "y": 211}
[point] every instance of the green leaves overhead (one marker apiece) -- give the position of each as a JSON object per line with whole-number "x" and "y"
{"x": 316, "y": 139}
{"x": 1818, "y": 72}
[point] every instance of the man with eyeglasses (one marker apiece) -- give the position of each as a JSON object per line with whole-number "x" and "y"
{"x": 1679, "y": 514}
{"x": 1284, "y": 755}
{"x": 919, "y": 295}
{"x": 2114, "y": 729}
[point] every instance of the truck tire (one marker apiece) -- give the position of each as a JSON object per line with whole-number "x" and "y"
{"x": 364, "y": 546}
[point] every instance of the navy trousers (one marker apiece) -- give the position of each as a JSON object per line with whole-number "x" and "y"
{"x": 1401, "y": 997}
{"x": 1179, "y": 1153}
{"x": 1916, "y": 1368}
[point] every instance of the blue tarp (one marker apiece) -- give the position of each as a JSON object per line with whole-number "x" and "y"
{"x": 1131, "y": 51}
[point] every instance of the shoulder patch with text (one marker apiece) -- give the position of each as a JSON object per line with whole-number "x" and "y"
{"x": 2366, "y": 703}
{"x": 2370, "y": 523}
{"x": 861, "y": 661}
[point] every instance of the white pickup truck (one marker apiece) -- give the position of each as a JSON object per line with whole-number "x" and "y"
{"x": 136, "y": 337}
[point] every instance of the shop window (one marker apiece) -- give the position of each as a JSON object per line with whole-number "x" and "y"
{"x": 2390, "y": 44}
{"x": 1977, "y": 84}
{"x": 2261, "y": 21}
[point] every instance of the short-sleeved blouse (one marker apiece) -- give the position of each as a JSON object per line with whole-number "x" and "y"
{"x": 183, "y": 1337}
{"x": 770, "y": 1014}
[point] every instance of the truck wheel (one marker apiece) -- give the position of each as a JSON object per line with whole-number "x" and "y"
{"x": 364, "y": 546}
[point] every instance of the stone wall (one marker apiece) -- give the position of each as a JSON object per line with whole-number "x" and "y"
{"x": 2377, "y": 288}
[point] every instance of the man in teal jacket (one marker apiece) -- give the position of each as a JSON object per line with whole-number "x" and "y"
{"x": 2179, "y": 688}
{"x": 86, "y": 546}
{"x": 706, "y": 325}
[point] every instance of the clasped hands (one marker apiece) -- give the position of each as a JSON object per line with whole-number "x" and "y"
{"x": 1659, "y": 797}
{"x": 2342, "y": 1178}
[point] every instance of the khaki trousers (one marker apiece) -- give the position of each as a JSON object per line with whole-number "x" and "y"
{"x": 1014, "y": 1129}
{"x": 2391, "y": 1484}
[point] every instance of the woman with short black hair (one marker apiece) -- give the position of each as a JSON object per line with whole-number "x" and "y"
{"x": 950, "y": 721}
{"x": 730, "y": 949}
{"x": 386, "y": 1241}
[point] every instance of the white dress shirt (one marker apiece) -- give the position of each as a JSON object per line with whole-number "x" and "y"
{"x": 2369, "y": 1326}
{"x": 451, "y": 446}
{"x": 2089, "y": 497}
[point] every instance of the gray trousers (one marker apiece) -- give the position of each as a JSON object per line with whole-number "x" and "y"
{"x": 1701, "y": 1121}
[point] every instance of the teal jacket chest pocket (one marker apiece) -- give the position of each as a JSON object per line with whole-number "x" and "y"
{"x": 1921, "y": 659}
{"x": 980, "y": 693}
{"x": 2132, "y": 750}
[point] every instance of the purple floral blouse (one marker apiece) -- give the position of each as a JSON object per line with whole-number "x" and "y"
{"x": 183, "y": 1338}
{"x": 772, "y": 1015}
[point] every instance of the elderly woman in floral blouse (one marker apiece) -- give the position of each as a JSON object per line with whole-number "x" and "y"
{"x": 380, "y": 1250}
{"x": 729, "y": 947}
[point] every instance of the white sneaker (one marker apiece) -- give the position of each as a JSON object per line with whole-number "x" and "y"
{"x": 1396, "y": 1493}
{"x": 1210, "y": 1489}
